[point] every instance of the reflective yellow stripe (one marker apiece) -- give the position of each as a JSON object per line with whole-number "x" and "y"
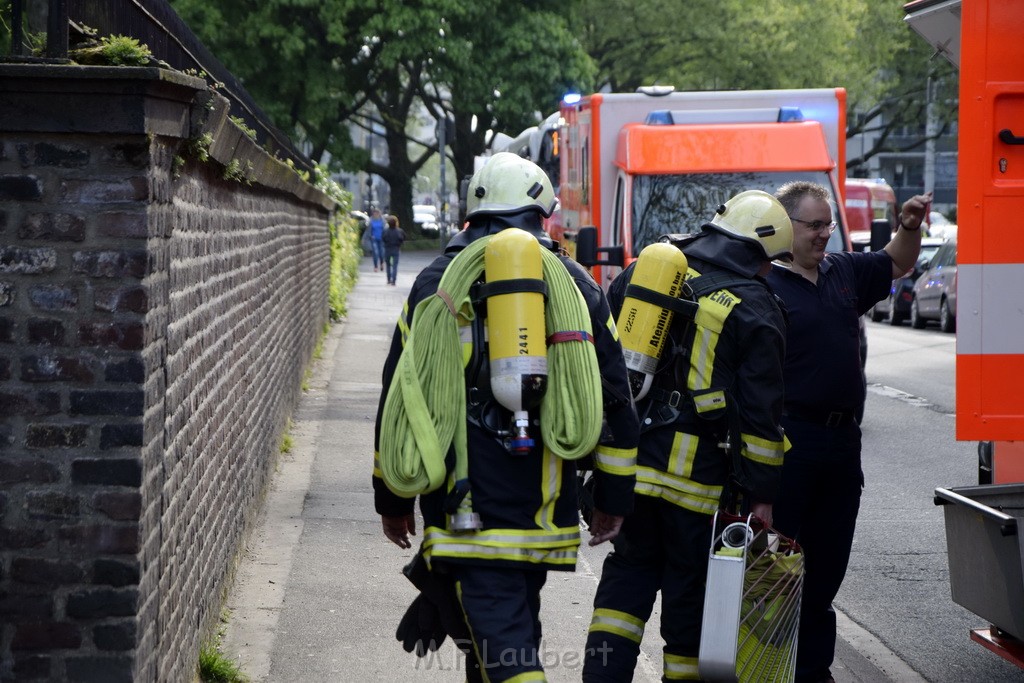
{"x": 528, "y": 538}
{"x": 472, "y": 636}
{"x": 611, "y": 327}
{"x": 679, "y": 668}
{"x": 711, "y": 400}
{"x": 403, "y": 323}
{"x": 527, "y": 676}
{"x": 466, "y": 337}
{"x": 557, "y": 546}
{"x": 762, "y": 450}
{"x": 678, "y": 491}
{"x": 712, "y": 312}
{"x": 551, "y": 487}
{"x": 618, "y": 623}
{"x": 684, "y": 450}
{"x": 702, "y": 358}
{"x": 376, "y": 465}
{"x": 621, "y": 461}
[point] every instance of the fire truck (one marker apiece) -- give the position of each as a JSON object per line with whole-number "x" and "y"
{"x": 868, "y": 200}
{"x": 984, "y": 522}
{"x": 638, "y": 165}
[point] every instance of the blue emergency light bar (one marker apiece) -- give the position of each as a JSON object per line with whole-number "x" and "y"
{"x": 666, "y": 117}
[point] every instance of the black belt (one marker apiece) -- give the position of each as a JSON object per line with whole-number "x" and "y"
{"x": 828, "y": 418}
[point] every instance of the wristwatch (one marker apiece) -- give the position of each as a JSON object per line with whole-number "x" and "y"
{"x": 909, "y": 229}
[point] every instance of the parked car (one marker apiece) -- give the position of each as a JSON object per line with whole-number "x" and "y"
{"x": 935, "y": 291}
{"x": 425, "y": 216}
{"x": 896, "y": 308}
{"x": 361, "y": 218}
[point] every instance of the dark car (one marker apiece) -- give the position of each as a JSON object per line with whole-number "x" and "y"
{"x": 896, "y": 308}
{"x": 935, "y": 291}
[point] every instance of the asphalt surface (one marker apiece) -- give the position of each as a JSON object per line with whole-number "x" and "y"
{"x": 318, "y": 591}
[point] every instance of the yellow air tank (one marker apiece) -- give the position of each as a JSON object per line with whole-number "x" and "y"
{"x": 516, "y": 329}
{"x": 644, "y": 326}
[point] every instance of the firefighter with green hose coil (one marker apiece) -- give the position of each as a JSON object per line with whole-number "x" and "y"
{"x": 503, "y": 369}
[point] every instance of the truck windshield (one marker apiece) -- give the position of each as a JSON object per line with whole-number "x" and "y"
{"x": 664, "y": 204}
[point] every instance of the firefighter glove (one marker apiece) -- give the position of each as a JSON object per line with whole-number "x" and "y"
{"x": 420, "y": 629}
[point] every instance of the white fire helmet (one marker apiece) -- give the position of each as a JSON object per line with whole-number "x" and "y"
{"x": 758, "y": 217}
{"x": 506, "y": 184}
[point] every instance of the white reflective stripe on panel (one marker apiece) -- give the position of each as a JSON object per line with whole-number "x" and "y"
{"x": 990, "y": 309}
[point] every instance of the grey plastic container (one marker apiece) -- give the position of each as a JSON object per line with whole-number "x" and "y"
{"x": 986, "y": 558}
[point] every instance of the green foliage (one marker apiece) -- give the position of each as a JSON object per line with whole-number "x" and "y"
{"x": 177, "y": 165}
{"x": 345, "y": 256}
{"x": 315, "y": 67}
{"x": 238, "y": 172}
{"x": 112, "y": 51}
{"x": 215, "y": 667}
{"x": 199, "y": 147}
{"x": 240, "y": 122}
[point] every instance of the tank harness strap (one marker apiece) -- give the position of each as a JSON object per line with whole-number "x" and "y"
{"x": 666, "y": 403}
{"x": 702, "y": 285}
{"x": 483, "y": 290}
{"x": 682, "y": 306}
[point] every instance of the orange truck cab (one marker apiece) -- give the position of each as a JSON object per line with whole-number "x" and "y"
{"x": 639, "y": 165}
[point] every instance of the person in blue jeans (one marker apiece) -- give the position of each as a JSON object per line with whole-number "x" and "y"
{"x": 376, "y": 239}
{"x": 393, "y": 238}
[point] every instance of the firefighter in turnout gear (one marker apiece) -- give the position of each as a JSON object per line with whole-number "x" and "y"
{"x": 499, "y": 496}
{"x": 710, "y": 437}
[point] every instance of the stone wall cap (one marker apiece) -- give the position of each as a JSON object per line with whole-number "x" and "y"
{"x": 76, "y": 71}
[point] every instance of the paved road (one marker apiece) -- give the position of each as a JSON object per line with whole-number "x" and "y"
{"x": 318, "y": 592}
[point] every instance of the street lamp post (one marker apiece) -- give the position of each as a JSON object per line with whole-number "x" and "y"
{"x": 442, "y": 226}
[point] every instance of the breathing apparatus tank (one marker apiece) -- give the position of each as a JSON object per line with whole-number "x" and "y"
{"x": 516, "y": 328}
{"x": 658, "y": 277}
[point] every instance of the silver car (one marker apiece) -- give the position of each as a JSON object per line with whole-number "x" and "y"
{"x": 935, "y": 291}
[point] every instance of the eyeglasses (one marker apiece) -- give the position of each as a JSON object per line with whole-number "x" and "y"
{"x": 817, "y": 226}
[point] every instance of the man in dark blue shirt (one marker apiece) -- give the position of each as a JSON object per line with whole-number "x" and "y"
{"x": 825, "y": 295}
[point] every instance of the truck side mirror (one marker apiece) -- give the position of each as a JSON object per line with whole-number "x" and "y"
{"x": 587, "y": 250}
{"x": 881, "y": 233}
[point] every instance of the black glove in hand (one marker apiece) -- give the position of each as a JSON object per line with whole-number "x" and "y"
{"x": 420, "y": 628}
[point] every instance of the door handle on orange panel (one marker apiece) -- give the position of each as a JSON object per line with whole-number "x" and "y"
{"x": 1007, "y": 136}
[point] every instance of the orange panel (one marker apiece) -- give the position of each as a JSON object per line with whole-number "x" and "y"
{"x": 989, "y": 400}
{"x": 1008, "y": 462}
{"x": 1003, "y": 237}
{"x": 1003, "y": 49}
{"x": 723, "y": 148}
{"x": 990, "y": 403}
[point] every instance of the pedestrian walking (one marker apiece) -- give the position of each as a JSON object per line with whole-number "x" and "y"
{"x": 376, "y": 239}
{"x": 709, "y": 430}
{"x": 825, "y": 294}
{"x": 393, "y": 239}
{"x": 504, "y": 510}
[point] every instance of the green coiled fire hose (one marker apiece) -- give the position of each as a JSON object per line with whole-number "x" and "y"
{"x": 425, "y": 410}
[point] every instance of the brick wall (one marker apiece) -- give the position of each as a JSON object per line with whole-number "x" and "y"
{"x": 155, "y": 322}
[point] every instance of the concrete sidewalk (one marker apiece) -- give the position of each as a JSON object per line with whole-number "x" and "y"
{"x": 318, "y": 592}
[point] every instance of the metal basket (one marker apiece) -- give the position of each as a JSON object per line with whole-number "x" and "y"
{"x": 751, "y": 603}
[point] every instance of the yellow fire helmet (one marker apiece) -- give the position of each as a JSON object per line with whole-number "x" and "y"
{"x": 758, "y": 217}
{"x": 507, "y": 183}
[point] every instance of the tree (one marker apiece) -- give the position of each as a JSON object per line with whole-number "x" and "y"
{"x": 319, "y": 66}
{"x": 505, "y": 83}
